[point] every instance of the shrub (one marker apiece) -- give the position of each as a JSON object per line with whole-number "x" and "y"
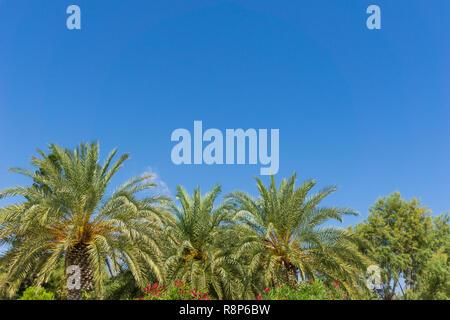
{"x": 178, "y": 291}
{"x": 31, "y": 294}
{"x": 305, "y": 290}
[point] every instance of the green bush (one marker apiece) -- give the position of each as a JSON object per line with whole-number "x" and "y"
{"x": 122, "y": 287}
{"x": 180, "y": 290}
{"x": 306, "y": 290}
{"x": 434, "y": 282}
{"x": 41, "y": 294}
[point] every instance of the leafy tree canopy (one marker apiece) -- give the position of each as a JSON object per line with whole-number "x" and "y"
{"x": 401, "y": 237}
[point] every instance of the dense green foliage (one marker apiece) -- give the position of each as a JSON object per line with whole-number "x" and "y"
{"x": 402, "y": 238}
{"x": 278, "y": 245}
{"x": 31, "y": 293}
{"x": 305, "y": 290}
{"x": 68, "y": 216}
{"x": 198, "y": 227}
{"x": 179, "y": 290}
{"x": 433, "y": 282}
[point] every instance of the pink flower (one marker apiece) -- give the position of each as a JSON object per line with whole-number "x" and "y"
{"x": 259, "y": 297}
{"x": 266, "y": 289}
{"x": 336, "y": 284}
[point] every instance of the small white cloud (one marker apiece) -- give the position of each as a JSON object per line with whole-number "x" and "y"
{"x": 161, "y": 187}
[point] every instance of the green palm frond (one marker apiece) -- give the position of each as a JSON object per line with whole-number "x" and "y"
{"x": 196, "y": 257}
{"x": 285, "y": 237}
{"x": 69, "y": 204}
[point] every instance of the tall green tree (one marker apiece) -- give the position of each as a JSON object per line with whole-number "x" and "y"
{"x": 196, "y": 235}
{"x": 433, "y": 282}
{"x": 401, "y": 237}
{"x": 286, "y": 237}
{"x": 67, "y": 215}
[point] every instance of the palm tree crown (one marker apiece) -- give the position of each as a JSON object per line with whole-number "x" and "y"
{"x": 199, "y": 227}
{"x": 285, "y": 237}
{"x": 67, "y": 215}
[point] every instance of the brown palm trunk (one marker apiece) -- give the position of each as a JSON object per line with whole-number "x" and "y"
{"x": 291, "y": 274}
{"x": 78, "y": 255}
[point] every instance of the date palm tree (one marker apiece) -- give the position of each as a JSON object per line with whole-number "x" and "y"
{"x": 196, "y": 237}
{"x": 286, "y": 239}
{"x": 68, "y": 216}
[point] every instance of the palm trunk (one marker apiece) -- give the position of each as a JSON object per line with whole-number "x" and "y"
{"x": 78, "y": 255}
{"x": 291, "y": 275}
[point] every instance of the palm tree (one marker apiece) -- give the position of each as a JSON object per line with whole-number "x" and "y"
{"x": 67, "y": 215}
{"x": 196, "y": 235}
{"x": 286, "y": 240}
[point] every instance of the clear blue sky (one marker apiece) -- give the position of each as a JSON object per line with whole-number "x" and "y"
{"x": 366, "y": 110}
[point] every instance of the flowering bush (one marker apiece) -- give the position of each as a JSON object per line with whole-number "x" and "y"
{"x": 178, "y": 291}
{"x": 305, "y": 290}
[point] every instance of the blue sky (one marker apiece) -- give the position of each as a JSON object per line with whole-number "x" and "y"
{"x": 366, "y": 110}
